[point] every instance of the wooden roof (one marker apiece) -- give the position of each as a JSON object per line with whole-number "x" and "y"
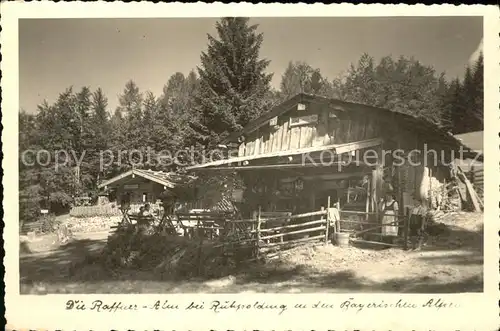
{"x": 429, "y": 129}
{"x": 336, "y": 148}
{"x": 473, "y": 140}
{"x": 168, "y": 179}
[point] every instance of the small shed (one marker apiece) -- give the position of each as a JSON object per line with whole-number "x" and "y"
{"x": 139, "y": 186}
{"x": 474, "y": 168}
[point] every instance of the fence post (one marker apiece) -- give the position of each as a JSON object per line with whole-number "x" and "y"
{"x": 327, "y": 224}
{"x": 200, "y": 249}
{"x": 405, "y": 229}
{"x": 258, "y": 232}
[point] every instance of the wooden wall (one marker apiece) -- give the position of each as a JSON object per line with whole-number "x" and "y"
{"x": 327, "y": 130}
{"x": 152, "y": 189}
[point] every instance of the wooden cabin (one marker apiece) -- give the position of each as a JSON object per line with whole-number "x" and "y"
{"x": 311, "y": 149}
{"x": 137, "y": 187}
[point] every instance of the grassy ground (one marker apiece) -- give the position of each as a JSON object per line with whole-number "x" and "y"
{"x": 450, "y": 263}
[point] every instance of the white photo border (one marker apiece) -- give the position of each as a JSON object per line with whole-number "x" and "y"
{"x": 477, "y": 311}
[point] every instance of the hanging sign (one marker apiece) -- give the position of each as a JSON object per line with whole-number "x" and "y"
{"x": 131, "y": 186}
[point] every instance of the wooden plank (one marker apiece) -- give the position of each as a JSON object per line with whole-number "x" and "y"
{"x": 285, "y": 137}
{"x": 243, "y": 221}
{"x": 354, "y": 129}
{"x": 342, "y": 132}
{"x": 472, "y": 192}
{"x": 272, "y": 135}
{"x": 204, "y": 219}
{"x": 274, "y": 140}
{"x": 292, "y": 241}
{"x": 275, "y": 166}
{"x": 357, "y": 222}
{"x": 320, "y": 134}
{"x": 142, "y": 218}
{"x": 287, "y": 133}
{"x": 294, "y": 137}
{"x": 258, "y": 231}
{"x": 257, "y": 150}
{"x": 372, "y": 242}
{"x": 306, "y": 137}
{"x": 279, "y": 139}
{"x": 370, "y": 131}
{"x": 319, "y": 228}
{"x": 267, "y": 138}
{"x": 297, "y": 151}
{"x": 327, "y": 222}
{"x": 349, "y": 127}
{"x": 248, "y": 149}
{"x": 291, "y": 226}
{"x": 314, "y": 213}
{"x": 379, "y": 226}
{"x": 317, "y": 140}
{"x": 241, "y": 149}
{"x": 357, "y": 212}
{"x": 205, "y": 213}
{"x": 357, "y": 145}
{"x": 307, "y": 140}
{"x": 331, "y": 129}
{"x": 363, "y": 124}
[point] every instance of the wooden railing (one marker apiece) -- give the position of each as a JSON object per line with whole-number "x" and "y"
{"x": 270, "y": 231}
{"x": 367, "y": 227}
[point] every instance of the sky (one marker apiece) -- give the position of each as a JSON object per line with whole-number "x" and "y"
{"x": 57, "y": 53}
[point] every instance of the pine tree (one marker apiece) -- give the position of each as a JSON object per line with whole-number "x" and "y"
{"x": 130, "y": 107}
{"x": 101, "y": 141}
{"x": 405, "y": 86}
{"x": 478, "y": 81}
{"x": 233, "y": 84}
{"x": 456, "y": 107}
{"x": 29, "y": 190}
{"x": 470, "y": 120}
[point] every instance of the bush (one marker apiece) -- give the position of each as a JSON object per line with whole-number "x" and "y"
{"x": 91, "y": 211}
{"x": 49, "y": 224}
{"x": 170, "y": 256}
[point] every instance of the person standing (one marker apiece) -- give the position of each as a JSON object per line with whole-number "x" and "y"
{"x": 417, "y": 224}
{"x": 389, "y": 209}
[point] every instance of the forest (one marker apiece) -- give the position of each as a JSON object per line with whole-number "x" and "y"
{"x": 230, "y": 87}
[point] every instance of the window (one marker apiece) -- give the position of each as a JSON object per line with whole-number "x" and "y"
{"x": 144, "y": 197}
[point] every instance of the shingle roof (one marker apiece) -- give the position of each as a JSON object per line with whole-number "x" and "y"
{"x": 430, "y": 129}
{"x": 168, "y": 179}
{"x": 473, "y": 140}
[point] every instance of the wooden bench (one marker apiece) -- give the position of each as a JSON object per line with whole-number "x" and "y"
{"x": 208, "y": 223}
{"x": 165, "y": 223}
{"x": 142, "y": 219}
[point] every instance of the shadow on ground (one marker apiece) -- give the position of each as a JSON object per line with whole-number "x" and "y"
{"x": 77, "y": 268}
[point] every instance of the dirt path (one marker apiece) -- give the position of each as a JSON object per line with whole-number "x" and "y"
{"x": 452, "y": 262}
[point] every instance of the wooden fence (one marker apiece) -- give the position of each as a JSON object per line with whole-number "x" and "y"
{"x": 269, "y": 233}
{"x": 91, "y": 211}
{"x": 372, "y": 227}
{"x": 476, "y": 177}
{"x": 106, "y": 210}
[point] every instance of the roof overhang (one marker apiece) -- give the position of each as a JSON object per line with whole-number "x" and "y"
{"x": 141, "y": 173}
{"x": 336, "y": 149}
